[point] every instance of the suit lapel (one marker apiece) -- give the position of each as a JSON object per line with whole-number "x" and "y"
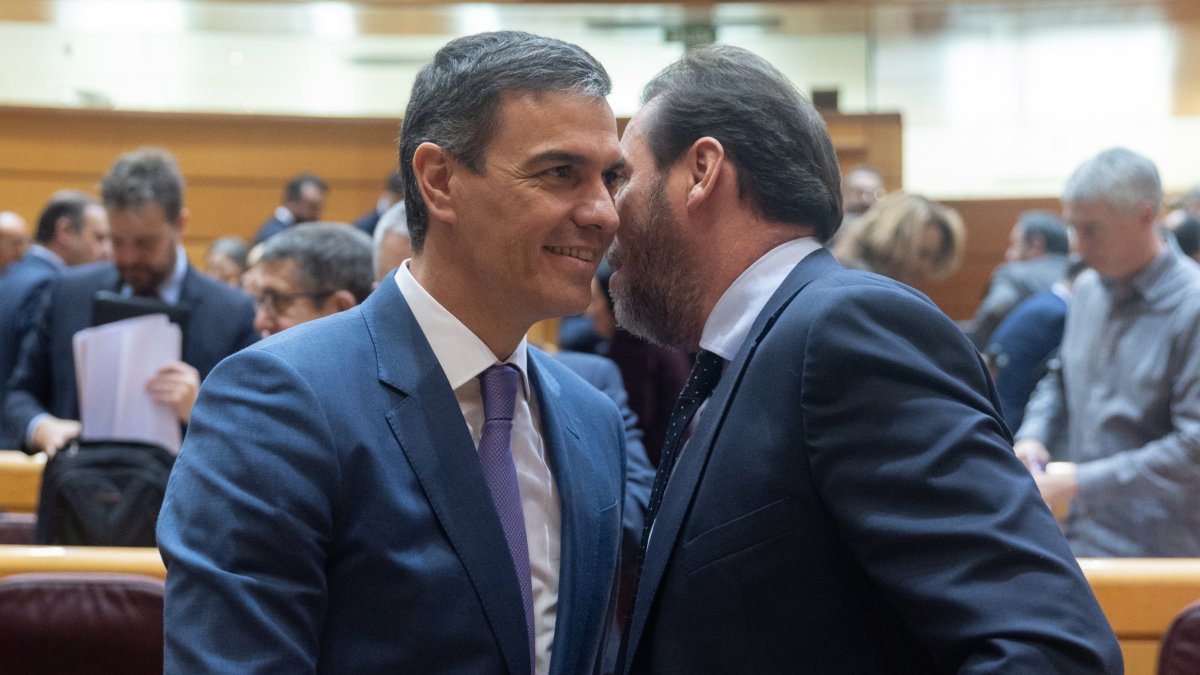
{"x": 686, "y": 475}
{"x": 580, "y": 509}
{"x": 429, "y": 427}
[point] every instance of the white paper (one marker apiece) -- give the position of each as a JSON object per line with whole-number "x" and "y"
{"x": 113, "y": 363}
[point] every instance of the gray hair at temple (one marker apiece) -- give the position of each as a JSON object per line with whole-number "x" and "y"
{"x": 329, "y": 257}
{"x": 457, "y": 97}
{"x": 1118, "y": 177}
{"x": 787, "y": 169}
{"x": 144, "y": 176}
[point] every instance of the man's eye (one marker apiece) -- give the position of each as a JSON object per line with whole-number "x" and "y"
{"x": 560, "y": 172}
{"x": 613, "y": 180}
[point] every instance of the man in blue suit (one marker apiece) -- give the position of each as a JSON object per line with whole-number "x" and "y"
{"x": 407, "y": 486}
{"x": 848, "y": 501}
{"x": 72, "y": 230}
{"x": 143, "y": 195}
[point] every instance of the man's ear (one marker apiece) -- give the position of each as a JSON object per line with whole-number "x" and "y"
{"x": 181, "y": 222}
{"x": 432, "y": 168}
{"x": 706, "y": 168}
{"x": 341, "y": 300}
{"x": 62, "y": 231}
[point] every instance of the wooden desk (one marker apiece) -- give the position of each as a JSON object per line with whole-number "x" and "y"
{"x": 22, "y": 559}
{"x": 20, "y": 480}
{"x": 1140, "y": 597}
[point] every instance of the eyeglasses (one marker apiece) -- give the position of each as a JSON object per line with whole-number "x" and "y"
{"x": 276, "y": 303}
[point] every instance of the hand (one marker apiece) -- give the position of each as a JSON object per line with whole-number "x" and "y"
{"x": 1058, "y": 488}
{"x": 53, "y": 433}
{"x": 1033, "y": 454}
{"x": 176, "y": 384}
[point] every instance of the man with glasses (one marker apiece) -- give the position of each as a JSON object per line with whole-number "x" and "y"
{"x": 310, "y": 271}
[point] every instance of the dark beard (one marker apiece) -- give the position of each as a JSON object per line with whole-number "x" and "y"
{"x": 658, "y": 299}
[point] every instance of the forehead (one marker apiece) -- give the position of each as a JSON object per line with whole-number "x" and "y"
{"x": 634, "y": 143}
{"x": 147, "y": 219}
{"x": 277, "y": 274}
{"x": 1080, "y": 212}
{"x": 535, "y": 124}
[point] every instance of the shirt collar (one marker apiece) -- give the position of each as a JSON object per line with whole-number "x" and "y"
{"x": 39, "y": 251}
{"x": 284, "y": 216}
{"x": 732, "y": 317}
{"x": 460, "y": 353}
{"x": 1147, "y": 283}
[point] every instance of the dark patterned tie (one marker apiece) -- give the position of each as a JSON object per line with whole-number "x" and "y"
{"x": 498, "y": 388}
{"x": 700, "y": 384}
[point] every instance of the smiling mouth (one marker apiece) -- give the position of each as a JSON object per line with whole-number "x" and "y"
{"x": 578, "y": 253}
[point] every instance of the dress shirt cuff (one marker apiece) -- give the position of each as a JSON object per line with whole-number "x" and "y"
{"x": 32, "y": 427}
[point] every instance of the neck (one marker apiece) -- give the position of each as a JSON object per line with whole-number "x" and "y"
{"x": 739, "y": 244}
{"x": 500, "y": 333}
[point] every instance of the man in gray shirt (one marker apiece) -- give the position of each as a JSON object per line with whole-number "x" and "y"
{"x": 1128, "y": 390}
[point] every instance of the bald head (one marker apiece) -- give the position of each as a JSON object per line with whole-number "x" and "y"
{"x": 14, "y": 238}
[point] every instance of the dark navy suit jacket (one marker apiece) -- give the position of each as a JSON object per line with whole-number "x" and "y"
{"x": 271, "y": 227}
{"x": 328, "y": 512}
{"x": 850, "y": 503}
{"x": 22, "y": 289}
{"x": 220, "y": 323}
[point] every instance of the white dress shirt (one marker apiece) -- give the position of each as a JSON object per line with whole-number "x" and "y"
{"x": 730, "y": 321}
{"x": 463, "y": 356}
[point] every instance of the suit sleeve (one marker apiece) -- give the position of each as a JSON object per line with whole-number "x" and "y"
{"x": 246, "y": 524}
{"x": 910, "y": 457}
{"x": 30, "y": 382}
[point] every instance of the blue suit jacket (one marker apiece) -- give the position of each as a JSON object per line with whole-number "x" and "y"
{"x": 328, "y": 512}
{"x": 221, "y": 322}
{"x": 850, "y": 503}
{"x": 271, "y": 227}
{"x": 21, "y": 291}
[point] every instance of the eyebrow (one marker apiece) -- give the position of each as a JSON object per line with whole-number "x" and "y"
{"x": 564, "y": 157}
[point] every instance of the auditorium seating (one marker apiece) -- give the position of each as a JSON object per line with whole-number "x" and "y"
{"x": 1180, "y": 653}
{"x": 1141, "y": 597}
{"x": 81, "y": 623}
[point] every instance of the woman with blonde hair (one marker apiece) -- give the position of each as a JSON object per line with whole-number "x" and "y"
{"x": 906, "y": 237}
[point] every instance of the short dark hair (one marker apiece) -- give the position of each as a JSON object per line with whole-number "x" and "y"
{"x": 68, "y": 204}
{"x": 786, "y": 166}
{"x": 1046, "y": 225}
{"x": 456, "y": 98}
{"x": 291, "y": 192}
{"x": 144, "y": 176}
{"x": 329, "y": 257}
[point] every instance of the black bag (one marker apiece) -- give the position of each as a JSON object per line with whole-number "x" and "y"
{"x": 103, "y": 493}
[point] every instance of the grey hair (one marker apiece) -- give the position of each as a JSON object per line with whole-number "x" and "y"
{"x": 456, "y": 99}
{"x": 144, "y": 176}
{"x": 393, "y": 221}
{"x": 1118, "y": 177}
{"x": 329, "y": 257}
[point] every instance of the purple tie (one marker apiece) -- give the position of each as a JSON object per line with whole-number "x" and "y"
{"x": 498, "y": 388}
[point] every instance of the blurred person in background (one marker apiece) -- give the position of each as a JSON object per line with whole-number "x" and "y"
{"x": 225, "y": 260}
{"x": 393, "y": 194}
{"x": 1036, "y": 259}
{"x": 72, "y": 230}
{"x": 14, "y": 238}
{"x": 303, "y": 202}
{"x": 906, "y": 237}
